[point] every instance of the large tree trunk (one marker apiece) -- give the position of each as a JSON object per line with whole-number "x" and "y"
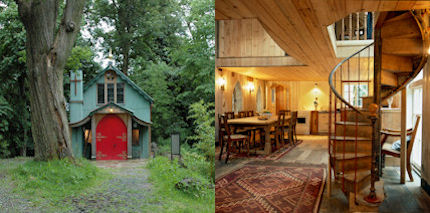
{"x": 48, "y": 47}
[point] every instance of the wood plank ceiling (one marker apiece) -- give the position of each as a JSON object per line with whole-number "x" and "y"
{"x": 299, "y": 27}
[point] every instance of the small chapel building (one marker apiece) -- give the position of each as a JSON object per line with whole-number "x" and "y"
{"x": 110, "y": 116}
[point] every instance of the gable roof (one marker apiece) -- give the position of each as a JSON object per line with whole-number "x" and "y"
{"x": 111, "y": 104}
{"x": 123, "y": 77}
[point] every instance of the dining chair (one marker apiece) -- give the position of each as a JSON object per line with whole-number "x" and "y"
{"x": 291, "y": 128}
{"x": 229, "y": 115}
{"x": 221, "y": 129}
{"x": 286, "y": 111}
{"x": 230, "y": 138}
{"x": 250, "y": 113}
{"x": 387, "y": 149}
{"x": 243, "y": 114}
{"x": 277, "y": 131}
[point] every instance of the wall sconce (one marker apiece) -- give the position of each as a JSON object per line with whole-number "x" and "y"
{"x": 251, "y": 87}
{"x": 221, "y": 82}
{"x": 110, "y": 110}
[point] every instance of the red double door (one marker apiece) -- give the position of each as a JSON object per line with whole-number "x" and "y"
{"x": 111, "y": 136}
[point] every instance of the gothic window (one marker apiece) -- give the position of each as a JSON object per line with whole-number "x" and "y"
{"x": 100, "y": 93}
{"x": 110, "y": 92}
{"x": 120, "y": 93}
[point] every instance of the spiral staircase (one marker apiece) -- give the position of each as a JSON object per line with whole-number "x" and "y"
{"x": 384, "y": 67}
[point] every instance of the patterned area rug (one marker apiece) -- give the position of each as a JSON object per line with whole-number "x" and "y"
{"x": 271, "y": 187}
{"x": 273, "y": 156}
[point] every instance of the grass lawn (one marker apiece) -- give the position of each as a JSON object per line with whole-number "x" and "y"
{"x": 165, "y": 174}
{"x": 47, "y": 185}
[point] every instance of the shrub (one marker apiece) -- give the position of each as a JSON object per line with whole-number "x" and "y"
{"x": 169, "y": 173}
{"x": 204, "y": 132}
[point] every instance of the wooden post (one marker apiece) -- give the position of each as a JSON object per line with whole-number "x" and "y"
{"x": 377, "y": 67}
{"x": 403, "y": 138}
{"x": 358, "y": 26}
{"x": 373, "y": 25}
{"x": 342, "y": 37}
{"x": 329, "y": 177}
{"x": 365, "y": 25}
{"x": 350, "y": 26}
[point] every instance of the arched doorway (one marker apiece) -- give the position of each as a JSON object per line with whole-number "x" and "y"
{"x": 260, "y": 103}
{"x": 111, "y": 135}
{"x": 237, "y": 98}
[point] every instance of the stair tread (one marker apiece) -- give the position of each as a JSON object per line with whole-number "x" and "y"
{"x": 351, "y": 155}
{"x": 348, "y": 138}
{"x": 353, "y": 123}
{"x": 398, "y": 18}
{"x": 361, "y": 175}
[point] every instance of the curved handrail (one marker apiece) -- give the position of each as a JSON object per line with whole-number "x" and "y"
{"x": 330, "y": 79}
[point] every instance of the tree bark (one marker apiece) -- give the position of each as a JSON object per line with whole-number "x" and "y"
{"x": 48, "y": 47}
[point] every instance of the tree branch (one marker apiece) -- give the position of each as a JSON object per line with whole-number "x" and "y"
{"x": 69, "y": 27}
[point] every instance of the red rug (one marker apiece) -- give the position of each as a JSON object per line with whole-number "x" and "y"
{"x": 276, "y": 187}
{"x": 273, "y": 156}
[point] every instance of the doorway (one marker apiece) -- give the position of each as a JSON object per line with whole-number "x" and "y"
{"x": 111, "y": 136}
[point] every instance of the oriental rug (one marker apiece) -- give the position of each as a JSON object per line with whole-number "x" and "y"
{"x": 270, "y": 187}
{"x": 273, "y": 156}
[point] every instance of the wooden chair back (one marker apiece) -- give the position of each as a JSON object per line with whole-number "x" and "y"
{"x": 227, "y": 127}
{"x": 293, "y": 119}
{"x": 229, "y": 115}
{"x": 251, "y": 113}
{"x": 285, "y": 111}
{"x": 243, "y": 114}
{"x": 413, "y": 134}
{"x": 221, "y": 121}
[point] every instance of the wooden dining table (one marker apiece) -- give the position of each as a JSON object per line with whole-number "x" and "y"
{"x": 255, "y": 122}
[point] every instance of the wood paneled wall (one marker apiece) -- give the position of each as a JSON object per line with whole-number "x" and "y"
{"x": 245, "y": 38}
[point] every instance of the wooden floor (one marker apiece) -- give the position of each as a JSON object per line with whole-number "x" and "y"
{"x": 406, "y": 198}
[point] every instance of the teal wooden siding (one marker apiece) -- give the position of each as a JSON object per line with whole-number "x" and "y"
{"x": 77, "y": 142}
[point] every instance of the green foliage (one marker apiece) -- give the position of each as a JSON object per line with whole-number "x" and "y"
{"x": 145, "y": 29}
{"x": 4, "y": 145}
{"x": 195, "y": 161}
{"x": 155, "y": 81}
{"x": 165, "y": 174}
{"x": 204, "y": 131}
{"x": 54, "y": 180}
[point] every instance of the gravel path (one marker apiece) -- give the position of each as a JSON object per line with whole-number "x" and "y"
{"x": 127, "y": 191}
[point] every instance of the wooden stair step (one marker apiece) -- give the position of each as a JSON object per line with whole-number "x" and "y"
{"x": 352, "y": 123}
{"x": 350, "y": 175}
{"x": 405, "y": 15}
{"x": 402, "y": 46}
{"x": 403, "y": 28}
{"x": 348, "y": 138}
{"x": 351, "y": 155}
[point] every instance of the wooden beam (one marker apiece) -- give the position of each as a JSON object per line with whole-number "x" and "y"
{"x": 403, "y": 138}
